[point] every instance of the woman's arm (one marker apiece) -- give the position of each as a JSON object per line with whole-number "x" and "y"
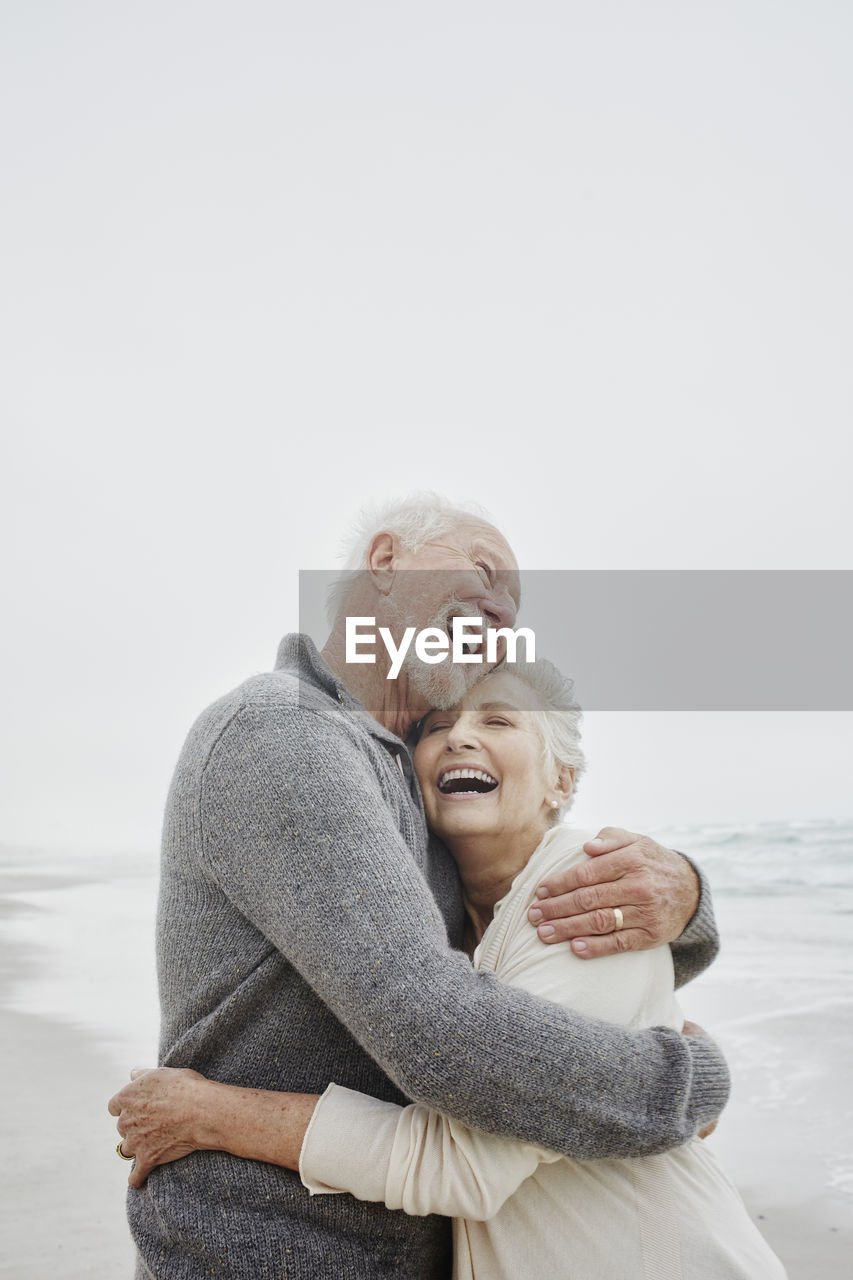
{"x": 171, "y": 1112}
{"x": 410, "y": 1158}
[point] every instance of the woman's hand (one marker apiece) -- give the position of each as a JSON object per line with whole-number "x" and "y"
{"x": 161, "y": 1117}
{"x": 170, "y": 1112}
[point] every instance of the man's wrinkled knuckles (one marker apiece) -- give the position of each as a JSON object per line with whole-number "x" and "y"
{"x": 582, "y": 903}
{"x": 613, "y": 944}
{"x": 634, "y": 859}
{"x": 571, "y": 905}
{"x": 653, "y": 919}
{"x": 584, "y": 900}
{"x": 586, "y": 874}
{"x": 642, "y": 891}
{"x": 626, "y": 941}
{"x": 603, "y": 920}
{"x": 614, "y": 865}
{"x": 567, "y": 928}
{"x": 610, "y": 866}
{"x": 562, "y": 882}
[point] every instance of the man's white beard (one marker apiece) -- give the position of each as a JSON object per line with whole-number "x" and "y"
{"x": 443, "y": 684}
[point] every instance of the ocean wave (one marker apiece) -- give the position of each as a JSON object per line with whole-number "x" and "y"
{"x": 771, "y": 857}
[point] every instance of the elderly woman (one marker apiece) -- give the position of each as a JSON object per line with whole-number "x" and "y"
{"x": 496, "y": 772}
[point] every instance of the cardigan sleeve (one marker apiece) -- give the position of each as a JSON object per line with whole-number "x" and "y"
{"x": 411, "y": 1158}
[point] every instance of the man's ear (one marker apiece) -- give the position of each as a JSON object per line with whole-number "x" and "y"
{"x": 382, "y": 561}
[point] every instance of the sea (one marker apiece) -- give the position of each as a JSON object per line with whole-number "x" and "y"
{"x": 779, "y": 999}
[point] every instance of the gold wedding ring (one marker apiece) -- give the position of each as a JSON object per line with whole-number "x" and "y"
{"x": 618, "y": 921}
{"x": 119, "y": 1151}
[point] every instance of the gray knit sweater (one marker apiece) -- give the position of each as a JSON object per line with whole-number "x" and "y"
{"x": 304, "y": 934}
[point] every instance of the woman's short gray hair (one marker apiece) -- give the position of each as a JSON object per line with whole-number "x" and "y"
{"x": 416, "y": 520}
{"x": 558, "y": 721}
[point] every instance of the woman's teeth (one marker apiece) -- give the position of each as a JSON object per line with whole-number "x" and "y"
{"x": 456, "y": 780}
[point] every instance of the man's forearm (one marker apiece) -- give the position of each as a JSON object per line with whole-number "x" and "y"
{"x": 589, "y": 1089}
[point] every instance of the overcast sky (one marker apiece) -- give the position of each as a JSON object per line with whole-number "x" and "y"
{"x": 587, "y": 265}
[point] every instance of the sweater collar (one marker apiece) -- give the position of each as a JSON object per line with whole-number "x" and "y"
{"x": 299, "y": 654}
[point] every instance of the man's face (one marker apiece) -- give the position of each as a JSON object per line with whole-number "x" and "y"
{"x": 469, "y": 572}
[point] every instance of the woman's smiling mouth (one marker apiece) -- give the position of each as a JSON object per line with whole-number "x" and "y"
{"x": 467, "y": 781}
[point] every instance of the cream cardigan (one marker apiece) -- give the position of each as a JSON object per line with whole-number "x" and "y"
{"x": 520, "y": 1209}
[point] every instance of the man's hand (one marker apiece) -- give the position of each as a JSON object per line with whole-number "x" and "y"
{"x": 160, "y": 1117}
{"x": 655, "y": 890}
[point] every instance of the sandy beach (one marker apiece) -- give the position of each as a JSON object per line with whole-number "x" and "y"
{"x": 62, "y": 1187}
{"x": 62, "y": 1191}
{"x": 76, "y": 963}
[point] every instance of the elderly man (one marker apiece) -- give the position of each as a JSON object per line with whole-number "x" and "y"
{"x": 307, "y": 927}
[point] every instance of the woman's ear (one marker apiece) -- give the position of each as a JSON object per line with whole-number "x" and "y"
{"x": 565, "y": 786}
{"x": 382, "y": 561}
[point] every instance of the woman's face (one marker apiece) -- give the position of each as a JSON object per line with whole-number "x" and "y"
{"x": 480, "y": 764}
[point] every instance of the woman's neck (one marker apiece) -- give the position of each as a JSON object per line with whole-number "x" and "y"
{"x": 487, "y": 868}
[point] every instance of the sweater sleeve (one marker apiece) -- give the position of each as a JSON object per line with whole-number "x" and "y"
{"x": 300, "y": 838}
{"x": 699, "y": 944}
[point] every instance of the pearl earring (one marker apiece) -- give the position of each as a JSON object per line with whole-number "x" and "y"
{"x": 554, "y": 804}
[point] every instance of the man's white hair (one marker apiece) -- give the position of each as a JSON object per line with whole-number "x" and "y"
{"x": 416, "y": 520}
